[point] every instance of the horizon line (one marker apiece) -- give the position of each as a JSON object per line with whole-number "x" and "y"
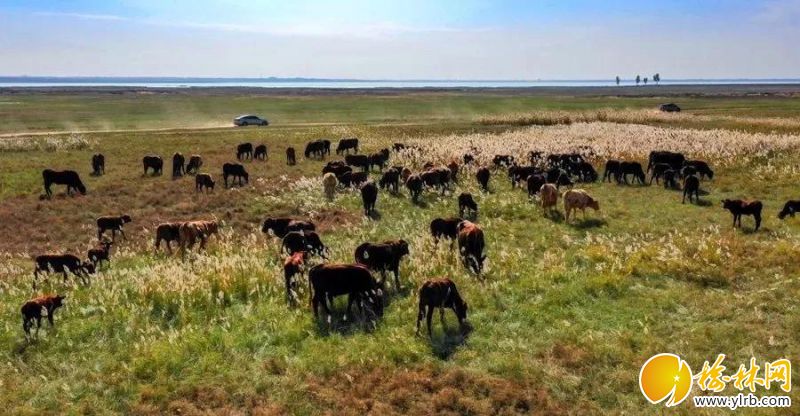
{"x": 67, "y": 78}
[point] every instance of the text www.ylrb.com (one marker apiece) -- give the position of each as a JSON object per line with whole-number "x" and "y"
{"x": 741, "y": 400}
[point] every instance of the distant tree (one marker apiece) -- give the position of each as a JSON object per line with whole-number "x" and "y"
{"x": 657, "y": 78}
{"x": 645, "y": 80}
{"x": 638, "y": 79}
{"x": 617, "y": 79}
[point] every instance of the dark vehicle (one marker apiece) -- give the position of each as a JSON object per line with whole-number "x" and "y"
{"x": 250, "y": 120}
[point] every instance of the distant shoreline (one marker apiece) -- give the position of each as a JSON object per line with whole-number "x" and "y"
{"x": 677, "y": 90}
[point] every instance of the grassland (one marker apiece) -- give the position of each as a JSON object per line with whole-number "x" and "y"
{"x": 563, "y": 322}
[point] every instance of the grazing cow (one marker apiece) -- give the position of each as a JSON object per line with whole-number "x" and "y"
{"x": 535, "y": 183}
{"x": 153, "y": 162}
{"x": 691, "y": 185}
{"x": 383, "y": 257}
{"x": 414, "y": 184}
{"x": 575, "y": 199}
{"x": 260, "y": 152}
{"x": 329, "y": 183}
{"x": 503, "y": 161}
{"x": 548, "y": 194}
{"x": 194, "y": 165}
{"x": 191, "y": 231}
{"x": 62, "y": 263}
{"x": 445, "y": 227}
{"x": 379, "y": 159}
{"x": 391, "y": 180}
{"x": 100, "y": 253}
{"x": 32, "y": 310}
{"x": 203, "y": 180}
{"x": 337, "y": 167}
{"x": 585, "y": 172}
{"x": 236, "y": 171}
{"x": 315, "y": 149}
{"x": 290, "y": 156}
{"x": 440, "y": 293}
{"x": 466, "y": 202}
{"x": 244, "y": 151}
{"x": 65, "y": 177}
{"x": 345, "y": 145}
{"x": 281, "y": 226}
{"x": 468, "y": 159}
{"x": 98, "y": 164}
{"x": 307, "y": 241}
{"x": 483, "y": 176}
{"x": 738, "y": 207}
{"x": 354, "y": 179}
{"x": 701, "y": 167}
{"x": 167, "y": 232}
{"x": 292, "y": 266}
{"x": 327, "y": 281}
{"x": 359, "y": 161}
{"x": 178, "y": 165}
{"x": 398, "y": 147}
{"x": 658, "y": 171}
{"x": 670, "y": 179}
{"x": 789, "y": 209}
{"x": 517, "y": 173}
{"x": 471, "y": 245}
{"x": 432, "y": 179}
{"x": 675, "y": 160}
{"x": 369, "y": 194}
{"x": 631, "y": 168}
{"x": 612, "y": 170}
{"x": 114, "y": 224}
{"x": 559, "y": 177}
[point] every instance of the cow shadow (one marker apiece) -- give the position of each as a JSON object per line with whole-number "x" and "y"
{"x": 420, "y": 203}
{"x": 364, "y": 321}
{"x": 589, "y": 223}
{"x": 374, "y": 215}
{"x": 554, "y": 215}
{"x": 452, "y": 338}
{"x": 703, "y": 203}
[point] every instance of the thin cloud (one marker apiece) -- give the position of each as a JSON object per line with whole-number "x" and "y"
{"x": 83, "y": 16}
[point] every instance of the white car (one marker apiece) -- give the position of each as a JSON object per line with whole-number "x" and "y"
{"x": 250, "y": 120}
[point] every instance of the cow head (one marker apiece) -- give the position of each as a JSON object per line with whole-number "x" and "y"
{"x": 268, "y": 224}
{"x": 126, "y": 218}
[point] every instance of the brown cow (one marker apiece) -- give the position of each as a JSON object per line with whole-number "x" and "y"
{"x": 739, "y": 207}
{"x": 168, "y": 232}
{"x": 578, "y": 199}
{"x": 471, "y": 245}
{"x": 440, "y": 293}
{"x": 293, "y": 265}
{"x": 549, "y": 196}
{"x": 190, "y": 231}
{"x": 32, "y": 309}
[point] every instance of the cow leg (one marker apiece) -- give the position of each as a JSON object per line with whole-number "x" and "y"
{"x": 397, "y": 279}
{"x": 420, "y": 314}
{"x": 428, "y": 318}
{"x": 38, "y": 323}
{"x": 50, "y": 316}
{"x": 441, "y": 318}
{"x": 121, "y": 231}
{"x": 758, "y": 221}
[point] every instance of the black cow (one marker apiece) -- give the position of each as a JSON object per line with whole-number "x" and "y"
{"x": 290, "y": 156}
{"x": 260, "y": 152}
{"x": 236, "y": 171}
{"x": 369, "y": 195}
{"x": 98, "y": 164}
{"x": 503, "y": 161}
{"x": 483, "y": 175}
{"x": 738, "y": 207}
{"x": 112, "y": 224}
{"x": 535, "y": 183}
{"x": 559, "y": 177}
{"x": 306, "y": 241}
{"x": 203, "y": 180}
{"x": 675, "y": 160}
{"x": 379, "y": 159}
{"x": 391, "y": 180}
{"x": 280, "y": 226}
{"x": 359, "y": 161}
{"x": 414, "y": 184}
{"x": 585, "y": 172}
{"x": 336, "y": 167}
{"x": 315, "y": 149}
{"x": 62, "y": 263}
{"x": 612, "y": 170}
{"x": 701, "y": 167}
{"x": 691, "y": 185}
{"x": 518, "y": 174}
{"x": 345, "y": 145}
{"x": 153, "y": 162}
{"x": 383, "y": 257}
{"x": 468, "y": 159}
{"x": 100, "y": 253}
{"x": 467, "y": 204}
{"x": 66, "y": 177}
{"x": 328, "y": 281}
{"x": 445, "y": 227}
{"x": 658, "y": 171}
{"x": 194, "y": 165}
{"x": 244, "y": 151}
{"x": 789, "y": 209}
{"x": 631, "y": 168}
{"x": 440, "y": 293}
{"x": 178, "y": 165}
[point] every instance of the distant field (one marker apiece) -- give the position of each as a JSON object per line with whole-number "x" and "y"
{"x": 564, "y": 320}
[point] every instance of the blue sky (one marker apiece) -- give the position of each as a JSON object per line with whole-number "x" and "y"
{"x": 447, "y": 39}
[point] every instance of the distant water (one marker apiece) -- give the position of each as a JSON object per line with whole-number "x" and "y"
{"x": 336, "y": 83}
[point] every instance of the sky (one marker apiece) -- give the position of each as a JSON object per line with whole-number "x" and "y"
{"x": 408, "y": 39}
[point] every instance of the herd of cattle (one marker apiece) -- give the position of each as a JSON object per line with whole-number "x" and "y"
{"x": 543, "y": 177}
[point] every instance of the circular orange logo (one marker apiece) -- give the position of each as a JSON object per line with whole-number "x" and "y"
{"x": 665, "y": 376}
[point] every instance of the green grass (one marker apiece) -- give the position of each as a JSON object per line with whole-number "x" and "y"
{"x": 564, "y": 320}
